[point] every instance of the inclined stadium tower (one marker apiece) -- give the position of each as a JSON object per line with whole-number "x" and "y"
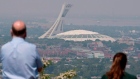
{"x": 56, "y": 30}
{"x": 57, "y": 27}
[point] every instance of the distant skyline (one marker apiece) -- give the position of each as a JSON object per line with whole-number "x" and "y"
{"x": 88, "y": 11}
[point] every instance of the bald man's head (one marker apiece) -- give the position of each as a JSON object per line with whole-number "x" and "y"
{"x": 18, "y": 29}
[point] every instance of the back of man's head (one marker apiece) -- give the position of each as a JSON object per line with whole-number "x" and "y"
{"x": 18, "y": 29}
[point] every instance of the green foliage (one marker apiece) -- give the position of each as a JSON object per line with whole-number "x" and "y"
{"x": 86, "y": 68}
{"x": 137, "y": 46}
{"x": 91, "y": 66}
{"x": 42, "y": 73}
{"x": 115, "y": 46}
{"x": 66, "y": 75}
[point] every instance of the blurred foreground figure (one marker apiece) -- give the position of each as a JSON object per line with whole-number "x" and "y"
{"x": 117, "y": 70}
{"x": 20, "y": 59}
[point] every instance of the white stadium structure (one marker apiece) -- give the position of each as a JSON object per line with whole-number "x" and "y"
{"x": 56, "y": 30}
{"x": 82, "y": 35}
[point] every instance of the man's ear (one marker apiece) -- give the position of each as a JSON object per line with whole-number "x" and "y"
{"x": 11, "y": 32}
{"x": 25, "y": 34}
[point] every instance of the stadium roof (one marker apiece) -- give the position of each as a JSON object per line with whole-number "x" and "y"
{"x": 77, "y": 32}
{"x": 82, "y": 35}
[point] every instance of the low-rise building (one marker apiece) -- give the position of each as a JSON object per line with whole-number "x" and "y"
{"x": 126, "y": 40}
{"x": 98, "y": 54}
{"x": 90, "y": 55}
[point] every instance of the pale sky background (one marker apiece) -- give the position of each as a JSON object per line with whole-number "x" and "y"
{"x": 104, "y": 12}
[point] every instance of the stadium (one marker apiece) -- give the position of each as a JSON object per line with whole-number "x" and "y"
{"x": 82, "y": 35}
{"x": 56, "y": 30}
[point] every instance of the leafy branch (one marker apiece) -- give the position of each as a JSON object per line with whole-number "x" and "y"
{"x": 66, "y": 75}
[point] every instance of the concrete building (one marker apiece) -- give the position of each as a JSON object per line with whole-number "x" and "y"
{"x": 82, "y": 35}
{"x": 126, "y": 40}
{"x": 56, "y": 30}
{"x": 90, "y": 55}
{"x": 99, "y": 54}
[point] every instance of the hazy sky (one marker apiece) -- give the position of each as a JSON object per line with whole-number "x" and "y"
{"x": 81, "y": 8}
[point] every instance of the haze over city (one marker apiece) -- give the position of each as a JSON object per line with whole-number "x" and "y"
{"x": 71, "y": 36}
{"x": 83, "y": 12}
